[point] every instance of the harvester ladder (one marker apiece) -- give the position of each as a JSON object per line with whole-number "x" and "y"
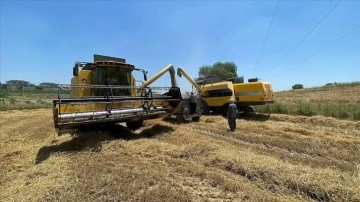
{"x": 110, "y": 98}
{"x": 147, "y": 93}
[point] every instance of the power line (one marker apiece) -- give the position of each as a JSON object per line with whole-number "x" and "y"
{"x": 308, "y": 34}
{"x": 267, "y": 34}
{"x": 331, "y": 44}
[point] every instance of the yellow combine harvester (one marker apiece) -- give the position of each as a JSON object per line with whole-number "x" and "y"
{"x": 215, "y": 95}
{"x": 105, "y": 91}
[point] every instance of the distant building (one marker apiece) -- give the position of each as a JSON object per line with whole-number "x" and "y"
{"x": 17, "y": 83}
{"x": 48, "y": 85}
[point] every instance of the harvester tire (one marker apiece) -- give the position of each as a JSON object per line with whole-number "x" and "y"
{"x": 133, "y": 125}
{"x": 196, "y": 118}
{"x": 205, "y": 108}
{"x": 180, "y": 118}
{"x": 249, "y": 109}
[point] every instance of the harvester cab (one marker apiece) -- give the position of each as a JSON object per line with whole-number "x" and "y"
{"x": 105, "y": 91}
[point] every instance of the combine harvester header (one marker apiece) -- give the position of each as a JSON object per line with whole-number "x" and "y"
{"x": 105, "y": 91}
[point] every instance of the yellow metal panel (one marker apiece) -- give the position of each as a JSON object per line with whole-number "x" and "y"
{"x": 216, "y": 101}
{"x": 253, "y": 92}
{"x": 218, "y": 86}
{"x": 84, "y": 78}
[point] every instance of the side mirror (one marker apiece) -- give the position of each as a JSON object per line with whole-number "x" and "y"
{"x": 145, "y": 75}
{"x": 75, "y": 70}
{"x": 178, "y": 72}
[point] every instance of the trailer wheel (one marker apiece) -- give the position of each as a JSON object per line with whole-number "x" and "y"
{"x": 133, "y": 125}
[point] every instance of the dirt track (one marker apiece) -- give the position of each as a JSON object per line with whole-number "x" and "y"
{"x": 269, "y": 158}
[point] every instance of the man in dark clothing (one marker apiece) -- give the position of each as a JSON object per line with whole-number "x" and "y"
{"x": 232, "y": 114}
{"x": 193, "y": 100}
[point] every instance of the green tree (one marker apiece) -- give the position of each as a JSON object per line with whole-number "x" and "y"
{"x": 297, "y": 86}
{"x": 224, "y": 70}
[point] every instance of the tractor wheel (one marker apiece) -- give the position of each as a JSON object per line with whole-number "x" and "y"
{"x": 133, "y": 125}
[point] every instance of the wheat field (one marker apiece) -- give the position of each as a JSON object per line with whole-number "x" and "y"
{"x": 341, "y": 101}
{"x": 268, "y": 158}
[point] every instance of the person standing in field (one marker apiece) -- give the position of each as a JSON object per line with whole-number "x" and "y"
{"x": 232, "y": 114}
{"x": 193, "y": 100}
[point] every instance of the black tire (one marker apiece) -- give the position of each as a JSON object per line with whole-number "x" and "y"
{"x": 180, "y": 118}
{"x": 133, "y": 125}
{"x": 223, "y": 110}
{"x": 205, "y": 108}
{"x": 249, "y": 109}
{"x": 196, "y": 118}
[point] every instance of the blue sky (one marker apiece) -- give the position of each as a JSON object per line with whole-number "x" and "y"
{"x": 41, "y": 40}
